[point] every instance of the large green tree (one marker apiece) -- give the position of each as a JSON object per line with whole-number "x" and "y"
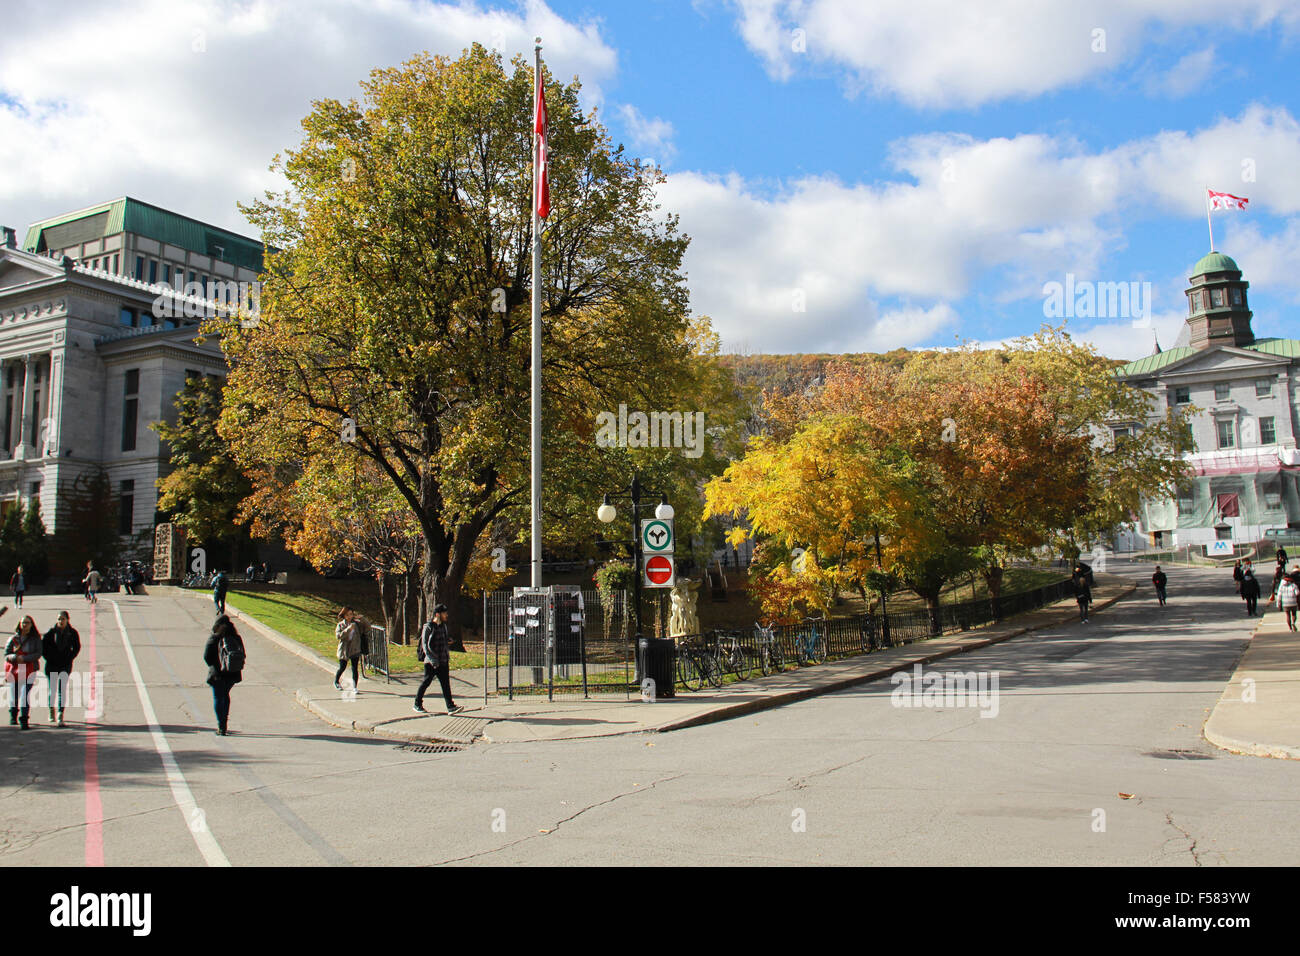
{"x": 395, "y": 314}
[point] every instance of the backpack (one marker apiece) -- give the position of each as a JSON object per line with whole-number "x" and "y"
{"x": 230, "y": 654}
{"x": 424, "y": 636}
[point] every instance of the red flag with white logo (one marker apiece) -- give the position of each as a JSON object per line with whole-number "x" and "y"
{"x": 541, "y": 179}
{"x": 1226, "y": 200}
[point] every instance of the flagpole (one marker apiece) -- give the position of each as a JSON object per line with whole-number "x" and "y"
{"x": 1207, "y": 217}
{"x": 536, "y": 442}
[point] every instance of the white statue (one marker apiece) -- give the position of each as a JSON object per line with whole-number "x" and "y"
{"x": 682, "y": 619}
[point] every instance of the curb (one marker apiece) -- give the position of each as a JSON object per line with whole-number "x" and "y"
{"x": 724, "y": 712}
{"x": 1245, "y": 748}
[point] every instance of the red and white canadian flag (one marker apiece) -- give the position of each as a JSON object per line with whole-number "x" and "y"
{"x": 1226, "y": 200}
{"x": 541, "y": 179}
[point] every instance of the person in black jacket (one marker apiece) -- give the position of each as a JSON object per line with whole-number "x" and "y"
{"x": 1161, "y": 581}
{"x": 1250, "y": 590}
{"x": 1082, "y": 581}
{"x": 222, "y": 630}
{"x": 433, "y": 650}
{"x": 60, "y": 648}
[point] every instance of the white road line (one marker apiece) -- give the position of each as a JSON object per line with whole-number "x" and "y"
{"x": 195, "y": 820}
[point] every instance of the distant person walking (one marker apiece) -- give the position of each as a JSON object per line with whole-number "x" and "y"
{"x": 1250, "y": 591}
{"x": 60, "y": 648}
{"x": 18, "y": 584}
{"x": 1281, "y": 555}
{"x": 1161, "y": 581}
{"x": 225, "y": 656}
{"x": 435, "y": 652}
{"x": 220, "y": 584}
{"x": 1082, "y": 581}
{"x": 348, "y": 634}
{"x": 91, "y": 582}
{"x": 22, "y": 664}
{"x": 1237, "y": 575}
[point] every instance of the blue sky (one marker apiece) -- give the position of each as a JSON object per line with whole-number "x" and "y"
{"x": 904, "y": 176}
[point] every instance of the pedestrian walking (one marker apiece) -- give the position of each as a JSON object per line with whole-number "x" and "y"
{"x": 1288, "y": 600}
{"x": 1250, "y": 591}
{"x": 225, "y": 656}
{"x": 348, "y": 634}
{"x": 91, "y": 583}
{"x": 1281, "y": 555}
{"x": 22, "y": 665}
{"x": 1161, "y": 581}
{"x": 220, "y": 584}
{"x": 18, "y": 584}
{"x": 1082, "y": 581}
{"x": 60, "y": 648}
{"x": 1237, "y": 575}
{"x": 434, "y": 651}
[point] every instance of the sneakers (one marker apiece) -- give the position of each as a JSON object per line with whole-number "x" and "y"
{"x": 455, "y": 710}
{"x": 419, "y": 708}
{"x": 61, "y": 724}
{"x": 13, "y": 719}
{"x": 51, "y": 715}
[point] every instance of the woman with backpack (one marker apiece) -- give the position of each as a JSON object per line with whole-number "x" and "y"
{"x": 348, "y": 634}
{"x": 225, "y": 656}
{"x": 18, "y": 584}
{"x": 22, "y": 664}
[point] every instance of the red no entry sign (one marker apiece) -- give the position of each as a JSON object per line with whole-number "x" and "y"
{"x": 659, "y": 571}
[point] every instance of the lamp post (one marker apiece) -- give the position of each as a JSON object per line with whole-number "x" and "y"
{"x": 607, "y": 513}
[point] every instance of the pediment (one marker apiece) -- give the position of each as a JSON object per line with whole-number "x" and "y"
{"x": 18, "y": 268}
{"x": 1221, "y": 359}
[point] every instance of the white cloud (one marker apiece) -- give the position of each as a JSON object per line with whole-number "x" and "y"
{"x": 954, "y": 53}
{"x": 184, "y": 104}
{"x": 654, "y": 137}
{"x": 1185, "y": 76}
{"x": 811, "y": 266}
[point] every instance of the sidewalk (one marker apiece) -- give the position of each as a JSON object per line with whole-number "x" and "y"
{"x": 386, "y": 709}
{"x": 1259, "y": 712}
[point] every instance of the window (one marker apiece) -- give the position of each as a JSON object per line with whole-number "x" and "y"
{"x": 139, "y": 268}
{"x": 153, "y": 271}
{"x": 1223, "y": 532}
{"x": 1272, "y": 490}
{"x": 126, "y": 317}
{"x": 1263, "y": 387}
{"x": 1216, "y": 298}
{"x": 167, "y": 272}
{"x": 1227, "y": 437}
{"x": 115, "y": 261}
{"x": 35, "y": 488}
{"x": 38, "y": 373}
{"x": 9, "y": 420}
{"x": 130, "y": 409}
{"x": 1183, "y": 395}
{"x": 1186, "y": 500}
{"x": 192, "y": 373}
{"x": 126, "y": 507}
{"x": 1222, "y": 391}
{"x": 1236, "y": 297}
{"x": 1121, "y": 434}
{"x": 1267, "y": 431}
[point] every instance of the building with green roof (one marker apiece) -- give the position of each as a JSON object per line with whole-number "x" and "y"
{"x": 1240, "y": 394}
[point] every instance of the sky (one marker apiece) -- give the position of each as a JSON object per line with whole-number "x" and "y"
{"x": 855, "y": 175}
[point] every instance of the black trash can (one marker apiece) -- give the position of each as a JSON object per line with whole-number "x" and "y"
{"x": 656, "y": 658}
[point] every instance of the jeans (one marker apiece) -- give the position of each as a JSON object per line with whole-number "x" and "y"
{"x": 58, "y": 689}
{"x": 443, "y": 673}
{"x": 343, "y": 665}
{"x": 18, "y": 598}
{"x": 21, "y": 699}
{"x": 220, "y": 601}
{"x": 221, "y": 700}
{"x": 1160, "y": 593}
{"x": 1083, "y": 610}
{"x": 1250, "y": 605}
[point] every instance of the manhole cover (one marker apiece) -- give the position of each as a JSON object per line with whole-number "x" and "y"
{"x": 430, "y": 748}
{"x": 1180, "y": 755}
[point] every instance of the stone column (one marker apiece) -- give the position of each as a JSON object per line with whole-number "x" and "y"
{"x": 20, "y": 451}
{"x": 53, "y": 405}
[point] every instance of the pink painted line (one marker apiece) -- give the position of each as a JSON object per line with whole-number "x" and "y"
{"x": 94, "y": 805}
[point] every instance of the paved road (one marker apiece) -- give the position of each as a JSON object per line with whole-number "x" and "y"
{"x": 1084, "y": 713}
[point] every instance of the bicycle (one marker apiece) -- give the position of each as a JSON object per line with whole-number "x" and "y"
{"x": 734, "y": 657}
{"x": 696, "y": 664}
{"x": 809, "y": 644}
{"x": 771, "y": 659}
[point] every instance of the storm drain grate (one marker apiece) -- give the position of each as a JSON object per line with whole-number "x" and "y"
{"x": 1180, "y": 755}
{"x": 430, "y": 748}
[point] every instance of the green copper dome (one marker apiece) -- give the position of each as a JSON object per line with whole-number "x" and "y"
{"x": 1214, "y": 262}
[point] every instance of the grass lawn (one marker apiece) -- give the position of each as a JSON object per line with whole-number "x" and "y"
{"x": 309, "y": 619}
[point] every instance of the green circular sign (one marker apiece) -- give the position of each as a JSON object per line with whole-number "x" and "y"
{"x": 657, "y": 535}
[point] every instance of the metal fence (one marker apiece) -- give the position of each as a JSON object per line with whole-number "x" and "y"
{"x": 607, "y": 665}
{"x": 376, "y": 657}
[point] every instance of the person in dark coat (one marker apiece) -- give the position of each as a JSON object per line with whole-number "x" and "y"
{"x": 220, "y": 584}
{"x": 60, "y": 648}
{"x": 435, "y": 653}
{"x": 18, "y": 584}
{"x": 1281, "y": 555}
{"x": 1250, "y": 591}
{"x": 1237, "y": 575}
{"x": 1082, "y": 581}
{"x": 221, "y": 681}
{"x": 1161, "y": 581}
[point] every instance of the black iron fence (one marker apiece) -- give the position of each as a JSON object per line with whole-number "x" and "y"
{"x": 608, "y": 664}
{"x": 375, "y": 657}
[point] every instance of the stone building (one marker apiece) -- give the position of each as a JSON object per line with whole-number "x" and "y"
{"x": 1245, "y": 464}
{"x": 99, "y": 310}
